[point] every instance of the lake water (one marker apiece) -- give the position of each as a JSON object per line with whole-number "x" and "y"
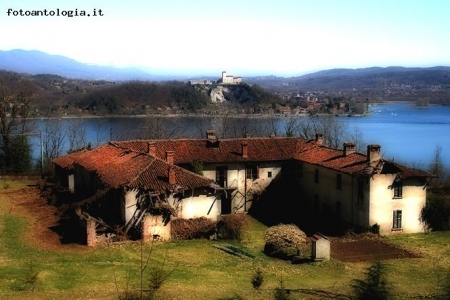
{"x": 406, "y": 133}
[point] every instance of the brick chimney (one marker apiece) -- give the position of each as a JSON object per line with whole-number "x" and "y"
{"x": 152, "y": 148}
{"x": 169, "y": 157}
{"x": 349, "y": 148}
{"x": 171, "y": 175}
{"x": 373, "y": 153}
{"x": 319, "y": 138}
{"x": 211, "y": 135}
{"x": 244, "y": 148}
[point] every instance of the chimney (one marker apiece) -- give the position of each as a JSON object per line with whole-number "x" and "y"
{"x": 244, "y": 148}
{"x": 211, "y": 135}
{"x": 272, "y": 135}
{"x": 171, "y": 176}
{"x": 349, "y": 148}
{"x": 247, "y": 135}
{"x": 373, "y": 153}
{"x": 169, "y": 157}
{"x": 152, "y": 148}
{"x": 319, "y": 138}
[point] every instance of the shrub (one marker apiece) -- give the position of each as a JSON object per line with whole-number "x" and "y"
{"x": 257, "y": 279}
{"x": 374, "y": 286}
{"x": 232, "y": 226}
{"x": 280, "y": 292}
{"x": 31, "y": 277}
{"x": 196, "y": 228}
{"x": 436, "y": 213}
{"x": 284, "y": 241}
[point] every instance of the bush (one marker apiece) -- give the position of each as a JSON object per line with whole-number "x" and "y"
{"x": 374, "y": 286}
{"x": 257, "y": 279}
{"x": 232, "y": 226}
{"x": 196, "y": 228}
{"x": 280, "y": 292}
{"x": 436, "y": 213}
{"x": 284, "y": 241}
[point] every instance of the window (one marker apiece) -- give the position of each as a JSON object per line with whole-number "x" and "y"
{"x": 221, "y": 176}
{"x": 339, "y": 181}
{"x": 252, "y": 172}
{"x": 398, "y": 189}
{"x": 316, "y": 176}
{"x": 397, "y": 219}
{"x": 269, "y": 174}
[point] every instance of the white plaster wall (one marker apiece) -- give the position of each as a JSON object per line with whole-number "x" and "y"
{"x": 154, "y": 227}
{"x": 382, "y": 204}
{"x": 196, "y": 207}
{"x": 236, "y": 176}
{"x": 129, "y": 204}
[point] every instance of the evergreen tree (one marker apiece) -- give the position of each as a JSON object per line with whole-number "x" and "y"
{"x": 374, "y": 286}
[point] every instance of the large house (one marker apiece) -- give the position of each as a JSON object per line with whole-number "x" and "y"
{"x": 359, "y": 189}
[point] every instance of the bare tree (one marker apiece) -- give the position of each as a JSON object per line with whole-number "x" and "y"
{"x": 291, "y": 127}
{"x": 15, "y": 102}
{"x": 222, "y": 124}
{"x": 158, "y": 127}
{"x": 102, "y": 133}
{"x": 53, "y": 139}
{"x": 271, "y": 127}
{"x": 357, "y": 137}
{"x": 76, "y": 133}
{"x": 437, "y": 166}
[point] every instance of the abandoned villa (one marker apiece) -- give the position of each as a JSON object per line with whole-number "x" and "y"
{"x": 142, "y": 185}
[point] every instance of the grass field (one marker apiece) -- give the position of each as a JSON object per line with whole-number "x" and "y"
{"x": 200, "y": 271}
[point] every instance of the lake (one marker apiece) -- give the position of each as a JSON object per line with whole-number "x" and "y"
{"x": 406, "y": 133}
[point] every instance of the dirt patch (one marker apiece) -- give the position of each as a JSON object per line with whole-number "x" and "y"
{"x": 28, "y": 202}
{"x": 358, "y": 249}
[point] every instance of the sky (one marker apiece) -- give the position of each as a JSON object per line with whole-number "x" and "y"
{"x": 243, "y": 37}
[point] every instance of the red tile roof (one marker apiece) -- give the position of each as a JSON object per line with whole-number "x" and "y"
{"x": 226, "y": 150}
{"x": 262, "y": 149}
{"x": 123, "y": 167}
{"x": 127, "y": 163}
{"x": 66, "y": 161}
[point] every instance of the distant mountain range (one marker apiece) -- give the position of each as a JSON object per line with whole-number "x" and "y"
{"x": 36, "y": 62}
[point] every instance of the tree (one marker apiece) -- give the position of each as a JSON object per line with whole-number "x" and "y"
{"x": 436, "y": 213}
{"x": 15, "y": 104}
{"x": 20, "y": 159}
{"x": 374, "y": 287}
{"x": 158, "y": 127}
{"x": 76, "y": 133}
{"x": 437, "y": 166}
{"x": 53, "y": 139}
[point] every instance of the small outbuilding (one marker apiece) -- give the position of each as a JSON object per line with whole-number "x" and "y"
{"x": 320, "y": 247}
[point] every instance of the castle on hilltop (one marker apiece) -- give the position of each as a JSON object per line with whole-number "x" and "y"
{"x": 229, "y": 79}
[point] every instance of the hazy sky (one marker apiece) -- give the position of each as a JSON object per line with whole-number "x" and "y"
{"x": 279, "y": 37}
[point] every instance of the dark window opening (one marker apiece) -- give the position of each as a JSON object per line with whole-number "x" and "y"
{"x": 316, "y": 176}
{"x": 398, "y": 189}
{"x": 269, "y": 174}
{"x": 339, "y": 182}
{"x": 252, "y": 172}
{"x": 397, "y": 219}
{"x": 221, "y": 176}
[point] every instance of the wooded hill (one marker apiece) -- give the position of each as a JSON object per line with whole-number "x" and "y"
{"x": 55, "y": 96}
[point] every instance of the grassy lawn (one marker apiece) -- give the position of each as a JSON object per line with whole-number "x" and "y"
{"x": 200, "y": 271}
